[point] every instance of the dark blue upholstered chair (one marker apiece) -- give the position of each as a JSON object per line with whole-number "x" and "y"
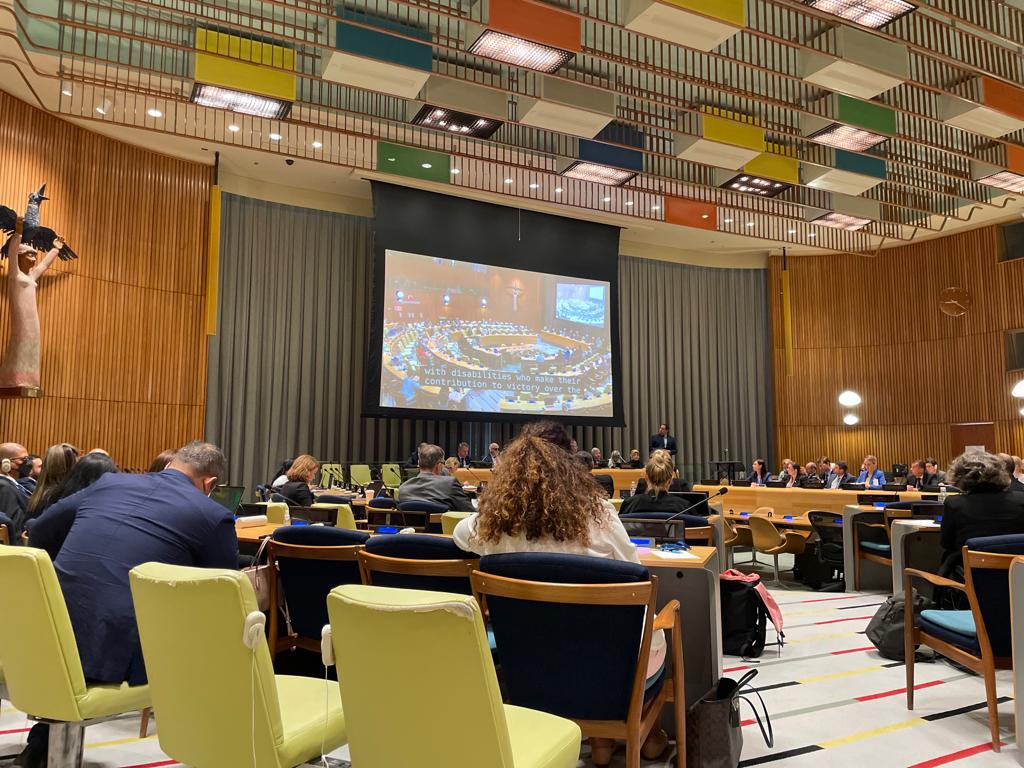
{"x": 417, "y": 561}
{"x": 580, "y": 652}
{"x": 306, "y": 563}
{"x": 979, "y": 638}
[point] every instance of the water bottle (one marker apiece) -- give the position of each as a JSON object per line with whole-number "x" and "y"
{"x": 287, "y": 516}
{"x": 942, "y": 494}
{"x": 632, "y": 488}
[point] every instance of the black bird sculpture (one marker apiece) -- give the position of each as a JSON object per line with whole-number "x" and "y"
{"x": 33, "y": 233}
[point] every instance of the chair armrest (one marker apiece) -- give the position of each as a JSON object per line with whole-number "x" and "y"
{"x": 868, "y": 525}
{"x": 666, "y": 617}
{"x": 931, "y": 578}
{"x": 796, "y": 540}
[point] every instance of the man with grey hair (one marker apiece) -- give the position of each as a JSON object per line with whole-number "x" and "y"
{"x": 983, "y": 507}
{"x": 432, "y": 485}
{"x": 96, "y": 536}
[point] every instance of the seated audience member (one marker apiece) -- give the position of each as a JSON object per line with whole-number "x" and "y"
{"x": 595, "y": 454}
{"x": 658, "y": 476}
{"x": 493, "y": 452}
{"x": 794, "y": 475}
{"x": 918, "y": 477}
{"x": 451, "y": 466}
{"x": 759, "y": 475}
{"x": 1018, "y": 473}
{"x": 301, "y": 475}
{"x": 605, "y": 481}
{"x": 615, "y": 461}
{"x": 162, "y": 517}
{"x": 983, "y": 508}
{"x": 434, "y": 486}
{"x": 574, "y": 447}
{"x": 635, "y": 462}
{"x": 57, "y": 464}
{"x": 28, "y": 473}
{"x": 13, "y": 498}
{"x": 784, "y": 472}
{"x": 462, "y": 454}
{"x": 86, "y": 471}
{"x": 1011, "y": 463}
{"x": 931, "y": 466}
{"x": 870, "y": 474}
{"x": 159, "y": 464}
{"x": 811, "y": 469}
{"x": 281, "y": 475}
{"x": 414, "y": 457}
{"x": 839, "y": 476}
{"x": 824, "y": 467}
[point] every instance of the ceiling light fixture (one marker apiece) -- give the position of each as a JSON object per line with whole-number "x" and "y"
{"x": 755, "y": 185}
{"x": 509, "y": 181}
{"x": 606, "y": 199}
{"x": 520, "y": 52}
{"x": 239, "y": 101}
{"x": 848, "y": 398}
{"x": 847, "y": 137}
{"x": 234, "y": 128}
{"x": 842, "y": 221}
{"x": 655, "y": 207}
{"x": 850, "y": 419}
{"x": 66, "y": 92}
{"x": 558, "y": 190}
{"x": 628, "y": 203}
{"x": 1018, "y": 389}
{"x": 153, "y": 112}
{"x": 275, "y": 136}
{"x": 599, "y": 174}
{"x": 750, "y": 223}
{"x": 535, "y": 185}
{"x": 461, "y": 123}
{"x": 867, "y": 13}
{"x": 813, "y": 235}
{"x": 727, "y": 221}
{"x": 790, "y": 231}
{"x": 1007, "y": 180}
{"x": 317, "y": 144}
{"x": 456, "y": 171}
{"x": 428, "y": 166}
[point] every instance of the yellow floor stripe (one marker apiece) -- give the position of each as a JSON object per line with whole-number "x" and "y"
{"x": 873, "y": 732}
{"x": 838, "y": 675}
{"x": 116, "y": 742}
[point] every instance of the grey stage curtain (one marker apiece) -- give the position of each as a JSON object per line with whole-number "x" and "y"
{"x": 287, "y": 364}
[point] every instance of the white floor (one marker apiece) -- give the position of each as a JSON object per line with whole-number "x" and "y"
{"x": 834, "y": 702}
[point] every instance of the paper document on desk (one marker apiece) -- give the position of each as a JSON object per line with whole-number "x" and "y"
{"x": 674, "y": 555}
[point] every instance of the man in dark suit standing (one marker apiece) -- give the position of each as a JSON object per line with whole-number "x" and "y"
{"x": 96, "y": 536}
{"x": 663, "y": 441}
{"x": 434, "y": 486}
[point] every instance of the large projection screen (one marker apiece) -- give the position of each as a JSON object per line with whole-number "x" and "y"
{"x": 470, "y": 322}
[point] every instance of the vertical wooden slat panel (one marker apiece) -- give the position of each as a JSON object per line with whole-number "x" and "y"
{"x": 874, "y": 326}
{"x": 124, "y": 348}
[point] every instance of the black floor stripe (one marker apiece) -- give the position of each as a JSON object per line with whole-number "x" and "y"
{"x": 892, "y": 664}
{"x": 964, "y": 710}
{"x": 780, "y": 756}
{"x": 852, "y": 607}
{"x": 777, "y": 685}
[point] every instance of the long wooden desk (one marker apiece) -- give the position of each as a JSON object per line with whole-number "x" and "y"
{"x": 794, "y": 501}
{"x": 622, "y": 478}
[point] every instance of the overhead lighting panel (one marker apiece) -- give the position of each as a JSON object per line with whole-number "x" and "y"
{"x": 598, "y": 174}
{"x": 459, "y": 123}
{"x": 378, "y": 54}
{"x": 519, "y": 52}
{"x": 755, "y": 185}
{"x": 526, "y": 34}
{"x": 847, "y": 137}
{"x": 1008, "y": 180}
{"x": 243, "y": 75}
{"x": 842, "y": 221}
{"x": 867, "y": 13}
{"x": 237, "y": 101}
{"x": 849, "y": 123}
{"x": 718, "y": 141}
{"x": 1008, "y": 175}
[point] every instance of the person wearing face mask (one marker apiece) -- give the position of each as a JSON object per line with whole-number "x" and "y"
{"x": 96, "y": 536}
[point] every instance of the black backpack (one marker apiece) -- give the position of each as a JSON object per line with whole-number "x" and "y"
{"x": 744, "y": 619}
{"x": 885, "y": 630}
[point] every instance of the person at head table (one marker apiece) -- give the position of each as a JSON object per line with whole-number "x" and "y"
{"x": 918, "y": 477}
{"x": 595, "y": 454}
{"x": 462, "y": 454}
{"x": 811, "y": 469}
{"x": 760, "y": 474}
{"x": 794, "y": 475}
{"x": 493, "y": 455}
{"x": 870, "y": 474}
{"x": 931, "y": 466}
{"x": 635, "y": 462}
{"x": 839, "y": 476}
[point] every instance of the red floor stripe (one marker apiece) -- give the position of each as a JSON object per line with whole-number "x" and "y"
{"x": 836, "y": 621}
{"x": 954, "y": 756}
{"x": 14, "y": 730}
{"x": 745, "y": 723}
{"x": 897, "y": 691}
{"x": 152, "y": 765}
{"x": 735, "y": 669}
{"x": 854, "y": 650}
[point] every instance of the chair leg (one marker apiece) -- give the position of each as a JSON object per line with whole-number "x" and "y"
{"x": 144, "y": 725}
{"x": 633, "y": 751}
{"x": 601, "y": 751}
{"x": 993, "y": 707}
{"x": 65, "y": 745}
{"x": 908, "y": 653}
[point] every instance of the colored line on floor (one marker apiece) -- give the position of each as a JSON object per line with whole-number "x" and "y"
{"x": 952, "y": 757}
{"x": 158, "y": 764}
{"x": 963, "y": 710}
{"x": 853, "y": 650}
{"x": 839, "y": 675}
{"x": 837, "y": 621}
{"x": 14, "y": 730}
{"x": 872, "y": 732}
{"x": 773, "y": 758}
{"x": 898, "y": 691}
{"x": 852, "y": 607}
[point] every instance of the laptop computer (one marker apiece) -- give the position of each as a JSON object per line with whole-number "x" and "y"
{"x": 228, "y": 496}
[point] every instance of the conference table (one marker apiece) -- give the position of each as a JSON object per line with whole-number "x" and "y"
{"x": 797, "y": 502}
{"x": 690, "y": 577}
{"x": 622, "y": 478}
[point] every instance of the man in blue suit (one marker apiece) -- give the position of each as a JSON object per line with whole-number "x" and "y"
{"x": 96, "y": 536}
{"x": 870, "y": 474}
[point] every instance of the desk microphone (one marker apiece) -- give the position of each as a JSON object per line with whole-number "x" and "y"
{"x": 715, "y": 495}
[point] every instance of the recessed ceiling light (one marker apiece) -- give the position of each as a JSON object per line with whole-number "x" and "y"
{"x": 705, "y": 215}
{"x": 868, "y": 13}
{"x": 847, "y": 137}
{"x": 600, "y": 174}
{"x": 558, "y": 190}
{"x": 1008, "y": 180}
{"x": 520, "y": 52}
{"x": 850, "y": 419}
{"x": 842, "y": 221}
{"x": 509, "y": 181}
{"x": 727, "y": 221}
{"x": 391, "y": 159}
{"x": 791, "y": 231}
{"x": 655, "y": 207}
{"x": 238, "y": 101}
{"x": 813, "y": 235}
{"x": 154, "y": 112}
{"x": 234, "y": 128}
{"x": 606, "y": 199}
{"x": 66, "y": 92}
{"x": 275, "y": 137}
{"x": 628, "y": 203}
{"x": 101, "y": 110}
{"x": 755, "y": 185}
{"x": 535, "y": 185}
{"x": 849, "y": 398}
{"x": 462, "y": 123}
{"x": 456, "y": 171}
{"x": 317, "y": 144}
{"x": 1018, "y": 389}
{"x": 750, "y": 223}
{"x": 428, "y": 166}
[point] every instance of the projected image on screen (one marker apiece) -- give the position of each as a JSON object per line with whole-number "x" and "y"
{"x": 462, "y": 336}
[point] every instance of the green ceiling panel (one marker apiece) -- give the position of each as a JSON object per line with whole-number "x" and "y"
{"x": 411, "y": 161}
{"x": 866, "y": 114}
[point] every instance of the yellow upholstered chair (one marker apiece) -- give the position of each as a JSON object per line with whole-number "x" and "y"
{"x": 449, "y": 713}
{"x": 42, "y": 669}
{"x": 391, "y": 475}
{"x": 450, "y": 519}
{"x": 359, "y": 474}
{"x": 218, "y": 701}
{"x": 345, "y": 518}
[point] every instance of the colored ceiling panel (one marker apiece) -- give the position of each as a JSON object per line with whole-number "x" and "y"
{"x": 691, "y": 213}
{"x": 837, "y": 180}
{"x": 771, "y": 166}
{"x": 376, "y": 60}
{"x": 465, "y": 97}
{"x": 568, "y": 107}
{"x": 998, "y": 111}
{"x": 860, "y": 65}
{"x": 865, "y": 114}
{"x": 862, "y": 164}
{"x": 719, "y": 142}
{"x": 537, "y": 22}
{"x": 414, "y": 162}
{"x": 241, "y": 64}
{"x": 699, "y": 24}
{"x": 608, "y": 154}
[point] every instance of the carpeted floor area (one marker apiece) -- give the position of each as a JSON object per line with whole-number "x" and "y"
{"x": 834, "y": 702}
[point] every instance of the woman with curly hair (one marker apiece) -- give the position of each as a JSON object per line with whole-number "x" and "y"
{"x": 983, "y": 508}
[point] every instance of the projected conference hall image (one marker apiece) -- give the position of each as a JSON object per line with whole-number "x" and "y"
{"x": 472, "y": 337}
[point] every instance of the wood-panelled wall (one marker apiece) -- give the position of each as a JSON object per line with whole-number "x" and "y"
{"x": 874, "y": 325}
{"x": 124, "y": 350}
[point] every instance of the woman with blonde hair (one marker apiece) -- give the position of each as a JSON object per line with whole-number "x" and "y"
{"x": 658, "y": 474}
{"x": 301, "y": 474}
{"x": 451, "y": 465}
{"x": 57, "y": 464}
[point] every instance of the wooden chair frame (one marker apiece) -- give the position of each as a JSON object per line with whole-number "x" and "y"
{"x": 370, "y": 563}
{"x": 278, "y": 549}
{"x": 641, "y": 719}
{"x": 5, "y": 536}
{"x": 985, "y": 665}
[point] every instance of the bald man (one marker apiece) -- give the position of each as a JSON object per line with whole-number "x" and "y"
{"x": 13, "y": 497}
